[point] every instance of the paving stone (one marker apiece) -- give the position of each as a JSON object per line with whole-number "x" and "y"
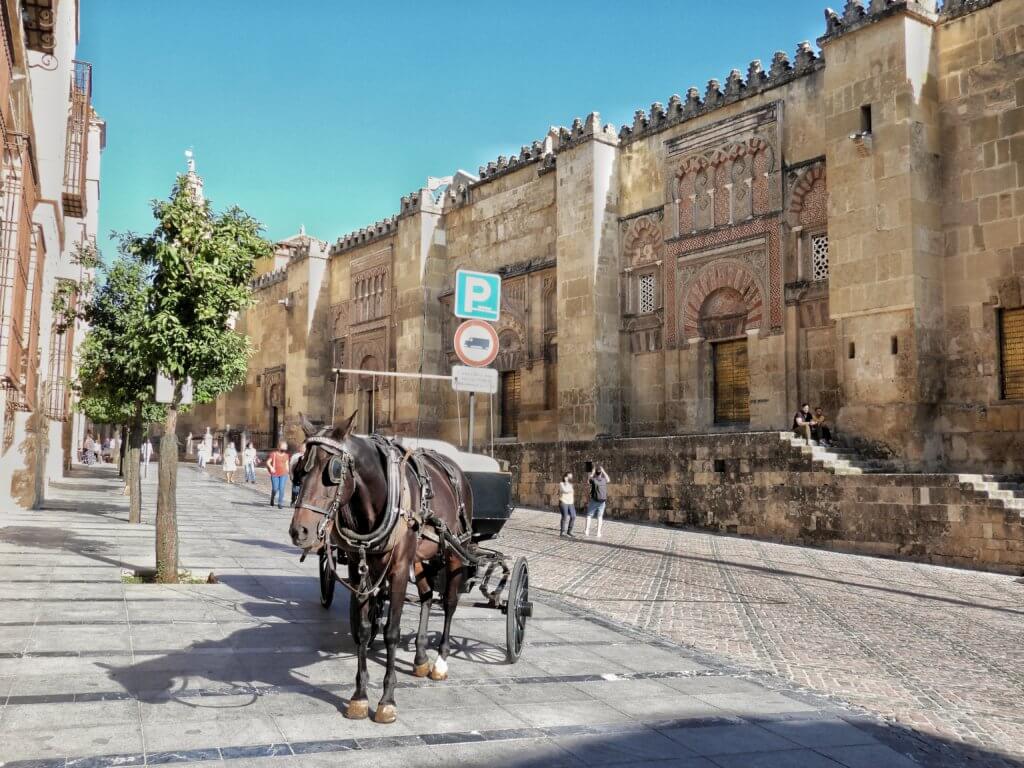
{"x": 253, "y": 669}
{"x": 867, "y": 756}
{"x": 728, "y": 739}
{"x": 621, "y": 748}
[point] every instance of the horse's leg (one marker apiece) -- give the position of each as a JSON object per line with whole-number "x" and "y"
{"x": 359, "y": 616}
{"x": 386, "y": 710}
{"x": 421, "y": 663}
{"x": 453, "y": 587}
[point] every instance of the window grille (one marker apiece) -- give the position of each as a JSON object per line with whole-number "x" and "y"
{"x": 647, "y": 301}
{"x": 819, "y": 257}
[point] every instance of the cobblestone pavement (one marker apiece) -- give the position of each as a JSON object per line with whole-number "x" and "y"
{"x": 250, "y": 671}
{"x": 935, "y": 649}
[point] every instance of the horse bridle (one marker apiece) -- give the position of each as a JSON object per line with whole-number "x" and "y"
{"x": 339, "y": 453}
{"x": 353, "y": 540}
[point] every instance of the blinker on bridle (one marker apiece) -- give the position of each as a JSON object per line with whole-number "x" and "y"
{"x": 340, "y": 463}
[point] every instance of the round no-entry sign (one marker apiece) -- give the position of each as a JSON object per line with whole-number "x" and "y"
{"x": 476, "y": 343}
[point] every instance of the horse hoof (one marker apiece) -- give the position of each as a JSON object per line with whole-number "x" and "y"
{"x": 421, "y": 670}
{"x": 439, "y": 669}
{"x": 357, "y": 709}
{"x": 386, "y": 713}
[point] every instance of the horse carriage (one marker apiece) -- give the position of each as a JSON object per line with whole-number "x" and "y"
{"x": 504, "y": 587}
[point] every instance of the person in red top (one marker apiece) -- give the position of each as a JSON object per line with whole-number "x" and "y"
{"x": 277, "y": 465}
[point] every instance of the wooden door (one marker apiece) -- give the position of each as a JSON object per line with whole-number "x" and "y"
{"x": 510, "y": 403}
{"x": 732, "y": 382}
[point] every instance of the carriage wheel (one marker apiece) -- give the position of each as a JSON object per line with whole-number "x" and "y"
{"x": 326, "y": 580}
{"x": 518, "y": 609}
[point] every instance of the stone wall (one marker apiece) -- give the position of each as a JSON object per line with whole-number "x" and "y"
{"x": 756, "y": 484}
{"x": 842, "y": 228}
{"x": 980, "y": 81}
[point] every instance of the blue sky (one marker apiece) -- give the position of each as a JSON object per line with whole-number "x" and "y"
{"x": 325, "y": 113}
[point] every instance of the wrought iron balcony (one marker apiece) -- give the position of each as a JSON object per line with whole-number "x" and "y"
{"x": 76, "y": 156}
{"x": 15, "y": 264}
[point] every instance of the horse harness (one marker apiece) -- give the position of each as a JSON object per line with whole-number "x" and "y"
{"x": 400, "y": 513}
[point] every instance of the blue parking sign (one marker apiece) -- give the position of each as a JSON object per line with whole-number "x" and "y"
{"x": 477, "y": 295}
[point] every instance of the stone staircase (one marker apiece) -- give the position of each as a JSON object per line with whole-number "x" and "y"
{"x": 838, "y": 460}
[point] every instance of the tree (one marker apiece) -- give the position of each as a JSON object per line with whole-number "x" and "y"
{"x": 114, "y": 385}
{"x": 201, "y": 265}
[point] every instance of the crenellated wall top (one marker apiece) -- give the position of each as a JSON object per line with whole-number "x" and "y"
{"x": 737, "y": 87}
{"x": 376, "y": 231}
{"x": 270, "y": 278}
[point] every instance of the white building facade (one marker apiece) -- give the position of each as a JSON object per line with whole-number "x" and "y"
{"x": 50, "y": 194}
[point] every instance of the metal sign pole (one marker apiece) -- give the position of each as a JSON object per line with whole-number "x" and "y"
{"x": 334, "y": 402}
{"x": 472, "y": 403}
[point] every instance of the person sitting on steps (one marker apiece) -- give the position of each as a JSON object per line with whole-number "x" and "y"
{"x": 803, "y": 420}
{"x": 820, "y": 429}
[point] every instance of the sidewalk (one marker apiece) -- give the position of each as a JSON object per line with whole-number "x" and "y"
{"x": 252, "y": 671}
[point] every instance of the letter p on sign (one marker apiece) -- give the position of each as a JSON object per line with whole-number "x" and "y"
{"x": 477, "y": 295}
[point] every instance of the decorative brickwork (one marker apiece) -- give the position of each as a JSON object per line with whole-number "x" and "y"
{"x": 763, "y": 264}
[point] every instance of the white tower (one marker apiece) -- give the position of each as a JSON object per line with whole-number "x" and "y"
{"x": 193, "y": 179}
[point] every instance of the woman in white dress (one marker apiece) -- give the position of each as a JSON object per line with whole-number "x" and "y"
{"x": 230, "y": 462}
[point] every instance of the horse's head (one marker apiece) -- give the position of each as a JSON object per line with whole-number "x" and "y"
{"x": 326, "y": 480}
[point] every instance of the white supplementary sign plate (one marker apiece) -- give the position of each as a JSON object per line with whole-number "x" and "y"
{"x": 481, "y": 380}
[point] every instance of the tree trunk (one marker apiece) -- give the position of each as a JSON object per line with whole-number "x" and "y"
{"x": 123, "y": 433}
{"x": 132, "y": 476}
{"x": 166, "y": 501}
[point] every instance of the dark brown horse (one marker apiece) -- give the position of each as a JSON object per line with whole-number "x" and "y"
{"x": 348, "y": 497}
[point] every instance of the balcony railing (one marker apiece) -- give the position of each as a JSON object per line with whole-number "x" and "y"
{"x": 15, "y": 263}
{"x": 77, "y": 147}
{"x": 58, "y": 390}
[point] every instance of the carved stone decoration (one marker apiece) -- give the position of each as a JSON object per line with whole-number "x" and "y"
{"x": 514, "y": 313}
{"x": 642, "y": 242}
{"x": 723, "y": 314}
{"x": 710, "y": 283}
{"x": 510, "y": 351}
{"x": 273, "y": 387}
{"x": 372, "y": 344}
{"x": 339, "y": 319}
{"x": 753, "y": 247}
{"x": 727, "y": 172}
{"x": 370, "y": 287}
{"x": 808, "y": 204}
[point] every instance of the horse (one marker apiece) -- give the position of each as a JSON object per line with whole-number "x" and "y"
{"x": 348, "y": 488}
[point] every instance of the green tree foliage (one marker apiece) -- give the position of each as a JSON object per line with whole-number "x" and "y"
{"x": 113, "y": 384}
{"x": 200, "y": 267}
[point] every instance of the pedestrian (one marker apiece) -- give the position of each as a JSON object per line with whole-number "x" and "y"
{"x": 249, "y": 461}
{"x": 277, "y": 466}
{"x": 292, "y": 463}
{"x": 803, "y": 420}
{"x": 230, "y": 462}
{"x": 147, "y": 454}
{"x": 598, "y": 481}
{"x": 820, "y": 429}
{"x": 88, "y": 449}
{"x": 202, "y": 456}
{"x": 566, "y": 505}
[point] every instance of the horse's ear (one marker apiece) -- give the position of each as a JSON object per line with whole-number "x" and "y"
{"x": 308, "y": 427}
{"x": 343, "y": 430}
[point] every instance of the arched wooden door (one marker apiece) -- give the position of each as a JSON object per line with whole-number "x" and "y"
{"x": 723, "y": 315}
